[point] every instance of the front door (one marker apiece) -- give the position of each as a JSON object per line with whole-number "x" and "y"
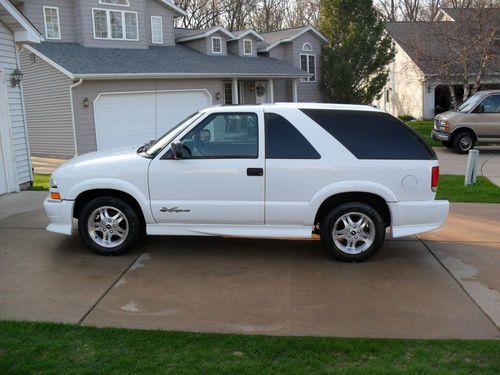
{"x": 261, "y": 94}
{"x": 220, "y": 177}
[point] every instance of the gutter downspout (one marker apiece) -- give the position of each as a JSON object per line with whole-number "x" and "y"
{"x": 80, "y": 81}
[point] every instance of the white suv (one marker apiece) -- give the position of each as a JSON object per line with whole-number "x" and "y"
{"x": 278, "y": 170}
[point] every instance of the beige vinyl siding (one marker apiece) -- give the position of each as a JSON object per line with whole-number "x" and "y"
{"x": 8, "y": 62}
{"x": 33, "y": 10}
{"x": 155, "y": 8}
{"x": 84, "y": 117}
{"x": 48, "y": 108}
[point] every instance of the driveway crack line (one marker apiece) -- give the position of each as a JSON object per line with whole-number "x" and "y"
{"x": 106, "y": 292}
{"x": 459, "y": 284}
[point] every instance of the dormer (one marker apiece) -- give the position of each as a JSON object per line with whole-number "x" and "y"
{"x": 211, "y": 41}
{"x": 244, "y": 43}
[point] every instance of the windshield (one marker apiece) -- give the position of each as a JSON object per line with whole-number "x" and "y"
{"x": 470, "y": 103}
{"x": 166, "y": 138}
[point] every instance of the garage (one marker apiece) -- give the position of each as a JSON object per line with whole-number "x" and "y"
{"x": 132, "y": 118}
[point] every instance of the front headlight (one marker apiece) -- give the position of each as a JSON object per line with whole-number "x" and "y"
{"x": 53, "y": 183}
{"x": 443, "y": 126}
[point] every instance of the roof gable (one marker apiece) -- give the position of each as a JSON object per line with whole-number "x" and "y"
{"x": 184, "y": 35}
{"x": 179, "y": 11}
{"x": 22, "y": 29}
{"x": 274, "y": 38}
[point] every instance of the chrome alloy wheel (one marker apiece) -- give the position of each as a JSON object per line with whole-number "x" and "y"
{"x": 107, "y": 226}
{"x": 353, "y": 232}
{"x": 466, "y": 143}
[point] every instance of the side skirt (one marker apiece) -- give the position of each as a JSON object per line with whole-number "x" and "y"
{"x": 253, "y": 231}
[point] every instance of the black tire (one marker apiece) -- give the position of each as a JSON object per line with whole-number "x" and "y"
{"x": 463, "y": 142}
{"x": 125, "y": 243}
{"x": 327, "y": 226}
{"x": 447, "y": 144}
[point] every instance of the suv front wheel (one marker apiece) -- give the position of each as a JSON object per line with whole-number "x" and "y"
{"x": 109, "y": 226}
{"x": 463, "y": 142}
{"x": 353, "y": 232}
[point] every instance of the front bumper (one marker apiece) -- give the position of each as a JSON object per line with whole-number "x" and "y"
{"x": 439, "y": 136}
{"x": 414, "y": 217}
{"x": 60, "y": 214}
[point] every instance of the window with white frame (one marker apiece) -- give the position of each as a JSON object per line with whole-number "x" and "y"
{"x": 52, "y": 25}
{"x": 123, "y": 3}
{"x": 216, "y": 44}
{"x": 115, "y": 24}
{"x": 308, "y": 64}
{"x": 247, "y": 46}
{"x": 307, "y": 47}
{"x": 156, "y": 30}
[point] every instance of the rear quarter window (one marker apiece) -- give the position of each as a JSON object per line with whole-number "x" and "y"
{"x": 372, "y": 135}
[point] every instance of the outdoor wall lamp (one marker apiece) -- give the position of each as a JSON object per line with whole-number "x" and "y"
{"x": 252, "y": 87}
{"x": 217, "y": 95}
{"x": 86, "y": 102}
{"x": 17, "y": 77}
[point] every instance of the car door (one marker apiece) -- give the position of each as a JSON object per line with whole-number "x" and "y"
{"x": 219, "y": 178}
{"x": 488, "y": 118}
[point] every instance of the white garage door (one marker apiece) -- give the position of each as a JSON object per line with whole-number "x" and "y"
{"x": 131, "y": 119}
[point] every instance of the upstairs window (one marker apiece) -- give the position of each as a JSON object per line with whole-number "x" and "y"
{"x": 308, "y": 64}
{"x": 307, "y": 47}
{"x": 123, "y": 3}
{"x": 52, "y": 26}
{"x": 156, "y": 30}
{"x": 247, "y": 46}
{"x": 216, "y": 44}
{"x": 115, "y": 24}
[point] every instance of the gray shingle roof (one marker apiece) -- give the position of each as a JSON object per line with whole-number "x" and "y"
{"x": 175, "y": 60}
{"x": 276, "y": 36}
{"x": 427, "y": 44}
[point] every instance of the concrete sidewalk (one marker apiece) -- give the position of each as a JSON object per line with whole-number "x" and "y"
{"x": 442, "y": 285}
{"x": 489, "y": 161}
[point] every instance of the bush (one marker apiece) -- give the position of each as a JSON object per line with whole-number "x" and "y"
{"x": 406, "y": 117}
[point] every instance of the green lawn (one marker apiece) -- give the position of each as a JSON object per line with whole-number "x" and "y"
{"x": 452, "y": 188}
{"x": 29, "y": 348}
{"x": 424, "y": 128}
{"x": 41, "y": 182}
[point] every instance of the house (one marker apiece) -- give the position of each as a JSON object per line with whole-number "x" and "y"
{"x": 117, "y": 72}
{"x": 417, "y": 85}
{"x": 15, "y": 164}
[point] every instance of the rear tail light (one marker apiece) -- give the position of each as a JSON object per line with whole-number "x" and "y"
{"x": 435, "y": 178}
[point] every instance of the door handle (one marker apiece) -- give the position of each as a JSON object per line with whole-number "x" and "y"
{"x": 255, "y": 172}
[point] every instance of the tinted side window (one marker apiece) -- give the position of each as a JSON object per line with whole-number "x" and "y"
{"x": 223, "y": 135}
{"x": 372, "y": 135}
{"x": 284, "y": 141}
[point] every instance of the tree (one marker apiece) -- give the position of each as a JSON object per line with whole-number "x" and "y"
{"x": 354, "y": 62}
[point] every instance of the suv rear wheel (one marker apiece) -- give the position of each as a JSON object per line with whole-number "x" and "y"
{"x": 353, "y": 232}
{"x": 463, "y": 142}
{"x": 109, "y": 226}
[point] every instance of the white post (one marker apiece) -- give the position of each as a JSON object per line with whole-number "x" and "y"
{"x": 294, "y": 91}
{"x": 235, "y": 91}
{"x": 270, "y": 89}
{"x": 472, "y": 167}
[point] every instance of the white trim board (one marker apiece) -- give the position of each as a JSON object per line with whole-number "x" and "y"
{"x": 204, "y": 34}
{"x": 32, "y": 33}
{"x": 309, "y": 28}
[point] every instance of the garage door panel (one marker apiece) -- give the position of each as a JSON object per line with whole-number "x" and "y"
{"x": 124, "y": 120}
{"x": 134, "y": 118}
{"x": 172, "y": 108}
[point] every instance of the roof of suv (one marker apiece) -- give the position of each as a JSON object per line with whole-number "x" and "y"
{"x": 349, "y": 107}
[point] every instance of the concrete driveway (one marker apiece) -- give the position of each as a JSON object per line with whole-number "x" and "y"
{"x": 489, "y": 162}
{"x": 445, "y": 284}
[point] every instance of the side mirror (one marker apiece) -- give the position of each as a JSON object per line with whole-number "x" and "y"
{"x": 176, "y": 148}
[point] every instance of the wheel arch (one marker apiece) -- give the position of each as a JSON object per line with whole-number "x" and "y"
{"x": 463, "y": 129}
{"x": 371, "y": 199}
{"x": 88, "y": 195}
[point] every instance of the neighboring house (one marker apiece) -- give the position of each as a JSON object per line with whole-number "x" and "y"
{"x": 117, "y": 72}
{"x": 15, "y": 164}
{"x": 415, "y": 87}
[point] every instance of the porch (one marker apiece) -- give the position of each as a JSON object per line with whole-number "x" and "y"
{"x": 258, "y": 91}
